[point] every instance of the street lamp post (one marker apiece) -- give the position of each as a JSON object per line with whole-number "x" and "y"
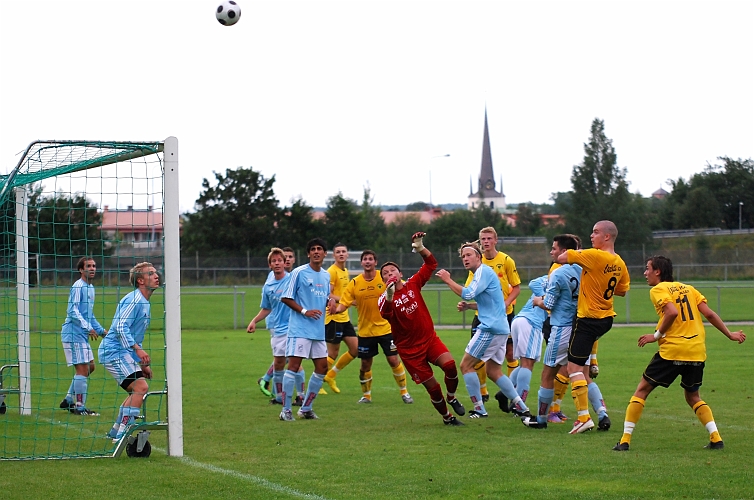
{"x": 740, "y": 205}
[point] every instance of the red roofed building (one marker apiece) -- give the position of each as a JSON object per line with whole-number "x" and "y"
{"x": 138, "y": 228}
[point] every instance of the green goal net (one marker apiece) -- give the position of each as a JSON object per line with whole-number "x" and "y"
{"x": 115, "y": 202}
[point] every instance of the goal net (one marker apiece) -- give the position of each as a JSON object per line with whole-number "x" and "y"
{"x": 117, "y": 203}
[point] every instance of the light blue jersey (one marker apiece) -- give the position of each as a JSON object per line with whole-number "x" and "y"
{"x": 309, "y": 289}
{"x": 272, "y": 292}
{"x": 485, "y": 290}
{"x": 536, "y": 316}
{"x": 562, "y": 294}
{"x": 129, "y": 326}
{"x": 80, "y": 318}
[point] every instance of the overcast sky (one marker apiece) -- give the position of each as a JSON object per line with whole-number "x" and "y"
{"x": 338, "y": 95}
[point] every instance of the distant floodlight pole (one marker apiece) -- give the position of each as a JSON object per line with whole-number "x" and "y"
{"x": 430, "y": 183}
{"x": 740, "y": 204}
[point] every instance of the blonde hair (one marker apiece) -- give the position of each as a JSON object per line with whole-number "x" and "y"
{"x": 275, "y": 251}
{"x": 474, "y": 245}
{"x": 488, "y": 229}
{"x": 137, "y": 271}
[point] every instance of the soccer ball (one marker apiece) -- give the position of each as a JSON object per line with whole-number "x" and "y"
{"x": 228, "y": 13}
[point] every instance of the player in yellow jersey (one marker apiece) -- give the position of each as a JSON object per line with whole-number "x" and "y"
{"x": 604, "y": 275}
{"x": 505, "y": 268}
{"x": 680, "y": 333}
{"x": 338, "y": 327}
{"x": 373, "y": 330}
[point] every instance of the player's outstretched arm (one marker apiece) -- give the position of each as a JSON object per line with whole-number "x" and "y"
{"x": 715, "y": 321}
{"x": 263, "y": 313}
{"x": 444, "y": 275}
{"x": 417, "y": 242}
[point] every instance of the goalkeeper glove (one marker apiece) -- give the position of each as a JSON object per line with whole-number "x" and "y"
{"x": 417, "y": 241}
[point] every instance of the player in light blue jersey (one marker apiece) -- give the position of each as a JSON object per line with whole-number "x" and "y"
{"x": 276, "y": 315}
{"x": 121, "y": 351}
{"x": 264, "y": 381}
{"x": 560, "y": 298}
{"x": 307, "y": 295}
{"x": 490, "y": 337}
{"x": 526, "y": 330}
{"x": 80, "y": 325}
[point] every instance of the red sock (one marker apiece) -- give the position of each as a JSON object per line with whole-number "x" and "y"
{"x": 438, "y": 401}
{"x": 451, "y": 376}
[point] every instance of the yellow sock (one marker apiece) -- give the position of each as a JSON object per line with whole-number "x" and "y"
{"x": 593, "y": 356}
{"x": 633, "y": 414}
{"x": 342, "y": 362}
{"x": 330, "y": 362}
{"x": 481, "y": 373}
{"x": 704, "y": 414}
{"x": 366, "y": 383}
{"x": 580, "y": 394}
{"x": 561, "y": 386}
{"x": 512, "y": 365}
{"x": 399, "y": 372}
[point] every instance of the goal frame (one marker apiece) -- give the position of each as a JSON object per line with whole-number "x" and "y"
{"x": 172, "y": 281}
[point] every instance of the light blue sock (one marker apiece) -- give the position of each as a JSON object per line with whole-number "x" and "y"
{"x": 514, "y": 376}
{"x": 70, "y": 395}
{"x": 595, "y": 397}
{"x": 524, "y": 382}
{"x": 268, "y": 376}
{"x": 277, "y": 384}
{"x": 472, "y": 386}
{"x": 79, "y": 390}
{"x": 114, "y": 431}
{"x": 289, "y": 380}
{"x": 545, "y": 400}
{"x": 505, "y": 385}
{"x": 301, "y": 382}
{"x": 315, "y": 384}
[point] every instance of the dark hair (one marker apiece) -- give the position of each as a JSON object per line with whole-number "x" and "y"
{"x": 566, "y": 241}
{"x": 368, "y": 252}
{"x": 389, "y": 263}
{"x": 664, "y": 265}
{"x": 288, "y": 249}
{"x": 82, "y": 262}
{"x": 339, "y": 244}
{"x": 314, "y": 242}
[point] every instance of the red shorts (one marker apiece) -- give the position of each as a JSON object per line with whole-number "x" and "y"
{"x": 417, "y": 364}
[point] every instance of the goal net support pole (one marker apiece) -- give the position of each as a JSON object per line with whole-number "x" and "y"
{"x": 22, "y": 291}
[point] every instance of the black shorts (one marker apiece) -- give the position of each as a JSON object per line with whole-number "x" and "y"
{"x": 585, "y": 332}
{"x": 130, "y": 380}
{"x": 368, "y": 346}
{"x": 336, "y": 330}
{"x": 661, "y": 371}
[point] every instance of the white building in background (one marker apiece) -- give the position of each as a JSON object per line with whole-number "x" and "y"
{"x": 487, "y": 192}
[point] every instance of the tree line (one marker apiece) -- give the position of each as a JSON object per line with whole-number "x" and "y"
{"x": 239, "y": 211}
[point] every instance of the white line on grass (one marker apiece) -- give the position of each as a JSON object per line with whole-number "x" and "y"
{"x": 213, "y": 468}
{"x": 253, "y": 479}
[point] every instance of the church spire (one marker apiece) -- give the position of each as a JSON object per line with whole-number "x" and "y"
{"x": 486, "y": 179}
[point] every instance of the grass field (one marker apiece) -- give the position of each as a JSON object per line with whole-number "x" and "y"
{"x": 236, "y": 447}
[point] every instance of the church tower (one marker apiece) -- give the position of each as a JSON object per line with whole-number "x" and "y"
{"x": 486, "y": 190}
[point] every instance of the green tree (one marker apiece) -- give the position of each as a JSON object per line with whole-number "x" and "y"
{"x": 454, "y": 228}
{"x": 63, "y": 225}
{"x": 600, "y": 191}
{"x": 528, "y": 221}
{"x": 343, "y": 222}
{"x": 417, "y": 206}
{"x": 238, "y": 213}
{"x": 399, "y": 232}
{"x": 372, "y": 225}
{"x": 297, "y": 225}
{"x": 699, "y": 209}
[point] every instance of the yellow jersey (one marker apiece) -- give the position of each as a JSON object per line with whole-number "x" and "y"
{"x": 505, "y": 268}
{"x": 603, "y": 275}
{"x": 685, "y": 340}
{"x": 365, "y": 294}
{"x": 338, "y": 280}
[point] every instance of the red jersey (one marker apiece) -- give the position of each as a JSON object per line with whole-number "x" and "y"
{"x": 411, "y": 323}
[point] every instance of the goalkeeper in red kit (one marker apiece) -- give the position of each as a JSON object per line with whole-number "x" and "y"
{"x": 414, "y": 333}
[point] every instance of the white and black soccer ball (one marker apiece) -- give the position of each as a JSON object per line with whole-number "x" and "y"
{"x": 228, "y": 13}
